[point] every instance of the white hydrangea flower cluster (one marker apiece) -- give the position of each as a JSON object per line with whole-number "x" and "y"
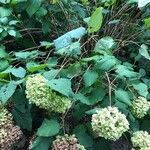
{"x": 42, "y": 96}
{"x": 110, "y": 123}
{"x": 9, "y": 133}
{"x": 67, "y": 142}
{"x": 141, "y": 140}
{"x": 140, "y": 107}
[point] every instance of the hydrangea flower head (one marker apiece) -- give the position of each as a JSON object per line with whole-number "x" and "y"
{"x": 42, "y": 96}
{"x": 110, "y": 123}
{"x": 67, "y": 142}
{"x": 9, "y": 134}
{"x": 141, "y": 140}
{"x": 140, "y": 107}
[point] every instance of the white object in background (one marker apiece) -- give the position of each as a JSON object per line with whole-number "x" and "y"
{"x": 142, "y": 3}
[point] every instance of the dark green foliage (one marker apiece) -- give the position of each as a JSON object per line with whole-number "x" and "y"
{"x": 95, "y": 53}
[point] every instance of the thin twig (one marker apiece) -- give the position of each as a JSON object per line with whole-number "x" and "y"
{"x": 110, "y": 88}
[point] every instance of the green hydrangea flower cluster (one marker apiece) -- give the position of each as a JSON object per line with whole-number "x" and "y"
{"x": 9, "y": 134}
{"x": 5, "y": 116}
{"x": 141, "y": 140}
{"x": 67, "y": 142}
{"x": 42, "y": 96}
{"x": 110, "y": 123}
{"x": 140, "y": 107}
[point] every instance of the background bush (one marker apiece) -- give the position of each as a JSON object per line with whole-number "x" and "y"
{"x": 92, "y": 53}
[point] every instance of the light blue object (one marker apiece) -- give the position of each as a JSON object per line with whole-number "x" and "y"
{"x": 66, "y": 39}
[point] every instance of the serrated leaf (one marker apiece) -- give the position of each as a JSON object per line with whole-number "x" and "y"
{"x": 90, "y": 77}
{"x": 106, "y": 63}
{"x": 141, "y": 88}
{"x": 61, "y": 85}
{"x": 7, "y": 90}
{"x": 123, "y": 96}
{"x": 126, "y": 71}
{"x": 105, "y": 45}
{"x": 96, "y": 20}
{"x": 48, "y": 128}
{"x": 71, "y": 50}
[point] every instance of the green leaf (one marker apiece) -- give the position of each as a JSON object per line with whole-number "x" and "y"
{"x": 41, "y": 143}
{"x": 46, "y": 44}
{"x": 79, "y": 111}
{"x": 22, "y": 110}
{"x": 33, "y": 6}
{"x": 105, "y": 45}
{"x": 147, "y": 23}
{"x": 3, "y": 53}
{"x": 33, "y": 67}
{"x": 70, "y": 50}
{"x": 18, "y": 72}
{"x": 49, "y": 75}
{"x": 83, "y": 99}
{"x": 5, "y": 12}
{"x": 83, "y": 137}
{"x": 144, "y": 51}
{"x": 106, "y": 63}
{"x": 92, "y": 111}
{"x": 95, "y": 96}
{"x": 4, "y": 64}
{"x": 48, "y": 128}
{"x": 96, "y": 20}
{"x": 141, "y": 88}
{"x": 7, "y": 90}
{"x": 90, "y": 77}
{"x": 123, "y": 96}
{"x": 123, "y": 107}
{"x": 27, "y": 55}
{"x": 126, "y": 71}
{"x": 62, "y": 86}
{"x": 13, "y": 22}
{"x": 73, "y": 70}
{"x": 12, "y": 32}
{"x": 52, "y": 62}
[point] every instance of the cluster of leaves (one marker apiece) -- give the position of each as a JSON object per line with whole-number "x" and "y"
{"x": 94, "y": 52}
